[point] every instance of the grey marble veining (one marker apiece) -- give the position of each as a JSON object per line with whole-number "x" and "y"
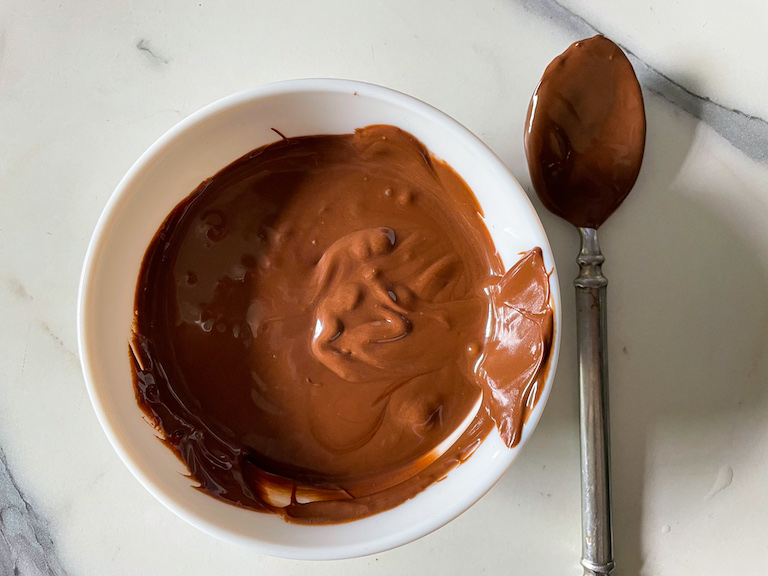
{"x": 26, "y": 547}
{"x": 143, "y": 45}
{"x": 747, "y": 133}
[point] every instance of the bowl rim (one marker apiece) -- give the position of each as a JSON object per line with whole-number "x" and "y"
{"x": 86, "y": 287}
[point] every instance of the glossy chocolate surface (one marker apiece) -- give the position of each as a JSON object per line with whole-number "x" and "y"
{"x": 585, "y": 132}
{"x": 324, "y": 327}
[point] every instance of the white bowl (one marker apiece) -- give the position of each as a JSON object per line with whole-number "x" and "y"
{"x": 197, "y": 148}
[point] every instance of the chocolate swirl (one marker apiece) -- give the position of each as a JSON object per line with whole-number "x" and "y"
{"x": 324, "y": 327}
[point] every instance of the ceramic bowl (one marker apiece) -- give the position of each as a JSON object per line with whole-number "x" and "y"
{"x": 166, "y": 173}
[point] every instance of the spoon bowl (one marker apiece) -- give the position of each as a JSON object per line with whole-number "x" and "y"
{"x": 585, "y": 132}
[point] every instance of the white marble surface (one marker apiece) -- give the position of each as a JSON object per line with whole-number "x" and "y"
{"x": 86, "y": 86}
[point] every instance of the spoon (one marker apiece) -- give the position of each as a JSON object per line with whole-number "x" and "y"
{"x": 584, "y": 141}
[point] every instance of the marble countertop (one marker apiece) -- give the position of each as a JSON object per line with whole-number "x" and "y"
{"x": 86, "y": 87}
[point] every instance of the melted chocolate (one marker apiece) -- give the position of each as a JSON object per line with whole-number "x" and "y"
{"x": 324, "y": 328}
{"x": 585, "y": 132}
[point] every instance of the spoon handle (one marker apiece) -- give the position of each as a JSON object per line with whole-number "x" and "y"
{"x": 597, "y": 534}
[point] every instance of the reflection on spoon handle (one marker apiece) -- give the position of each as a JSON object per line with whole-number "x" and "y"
{"x": 597, "y": 534}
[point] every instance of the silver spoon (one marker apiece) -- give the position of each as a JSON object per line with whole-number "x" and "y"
{"x": 584, "y": 141}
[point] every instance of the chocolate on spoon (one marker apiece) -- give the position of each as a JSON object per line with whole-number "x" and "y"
{"x": 584, "y": 140}
{"x": 585, "y": 132}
